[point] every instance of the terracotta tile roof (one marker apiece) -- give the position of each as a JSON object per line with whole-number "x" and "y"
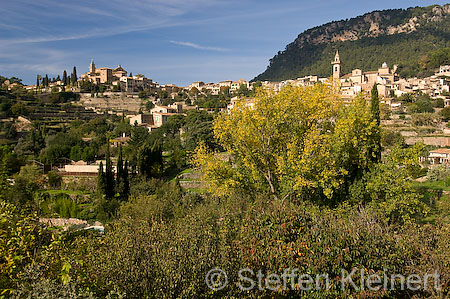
{"x": 441, "y": 151}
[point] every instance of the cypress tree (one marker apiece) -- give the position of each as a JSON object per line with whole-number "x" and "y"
{"x": 375, "y": 110}
{"x": 375, "y": 104}
{"x": 38, "y": 79}
{"x": 126, "y": 182}
{"x": 64, "y": 78}
{"x": 119, "y": 174}
{"x": 46, "y": 80}
{"x": 109, "y": 175}
{"x": 101, "y": 180}
{"x": 74, "y": 76}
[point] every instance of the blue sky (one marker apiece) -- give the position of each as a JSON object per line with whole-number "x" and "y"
{"x": 170, "y": 41}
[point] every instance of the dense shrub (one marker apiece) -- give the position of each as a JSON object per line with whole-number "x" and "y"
{"x": 425, "y": 119}
{"x": 54, "y": 179}
{"x": 438, "y": 173}
{"x": 390, "y": 138}
{"x": 445, "y": 113}
{"x": 164, "y": 250}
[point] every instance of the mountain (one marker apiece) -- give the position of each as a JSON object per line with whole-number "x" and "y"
{"x": 412, "y": 38}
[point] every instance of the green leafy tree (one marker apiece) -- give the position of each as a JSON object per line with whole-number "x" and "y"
{"x": 387, "y": 186}
{"x": 243, "y": 90}
{"x": 26, "y": 182}
{"x": 54, "y": 180}
{"x": 445, "y": 114}
{"x": 198, "y": 127}
{"x": 19, "y": 109}
{"x": 22, "y": 238}
{"x": 286, "y": 144}
{"x": 76, "y": 153}
{"x": 149, "y": 160}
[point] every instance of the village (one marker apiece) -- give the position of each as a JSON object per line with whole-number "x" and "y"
{"x": 147, "y": 104}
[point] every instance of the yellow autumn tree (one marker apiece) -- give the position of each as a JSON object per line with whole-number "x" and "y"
{"x": 298, "y": 141}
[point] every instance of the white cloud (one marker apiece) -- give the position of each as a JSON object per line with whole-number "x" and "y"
{"x": 199, "y": 47}
{"x": 55, "y": 20}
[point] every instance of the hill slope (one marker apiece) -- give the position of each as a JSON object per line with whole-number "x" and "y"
{"x": 409, "y": 38}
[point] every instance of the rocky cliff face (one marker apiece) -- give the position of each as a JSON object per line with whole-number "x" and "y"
{"x": 370, "y": 25}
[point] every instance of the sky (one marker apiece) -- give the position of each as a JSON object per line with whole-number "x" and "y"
{"x": 169, "y": 41}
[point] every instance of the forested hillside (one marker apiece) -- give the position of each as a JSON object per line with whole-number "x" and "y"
{"x": 411, "y": 38}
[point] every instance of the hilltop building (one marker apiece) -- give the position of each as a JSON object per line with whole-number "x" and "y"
{"x": 117, "y": 77}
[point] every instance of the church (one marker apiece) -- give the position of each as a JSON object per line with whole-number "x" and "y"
{"x": 104, "y": 74}
{"x": 358, "y": 80}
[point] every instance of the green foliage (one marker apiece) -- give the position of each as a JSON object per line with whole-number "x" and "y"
{"x": 440, "y": 57}
{"x": 445, "y": 114}
{"x": 438, "y": 173}
{"x": 54, "y": 180}
{"x": 76, "y": 153}
{"x": 9, "y": 161}
{"x": 32, "y": 144}
{"x": 65, "y": 78}
{"x": 420, "y": 106}
{"x": 438, "y": 103}
{"x": 101, "y": 180}
{"x": 36, "y": 284}
{"x": 19, "y": 109}
{"x": 109, "y": 176}
{"x": 425, "y": 119}
{"x": 198, "y": 128}
{"x": 271, "y": 151}
{"x": 165, "y": 244}
{"x": 60, "y": 205}
{"x": 385, "y": 111}
{"x": 60, "y": 146}
{"x": 20, "y": 238}
{"x": 375, "y": 110}
{"x": 149, "y": 160}
{"x": 26, "y": 182}
{"x": 122, "y": 183}
{"x": 388, "y": 189}
{"x": 63, "y": 97}
{"x": 390, "y": 138}
{"x": 74, "y": 77}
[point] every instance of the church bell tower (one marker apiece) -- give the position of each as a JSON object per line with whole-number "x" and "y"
{"x": 336, "y": 66}
{"x": 92, "y": 67}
